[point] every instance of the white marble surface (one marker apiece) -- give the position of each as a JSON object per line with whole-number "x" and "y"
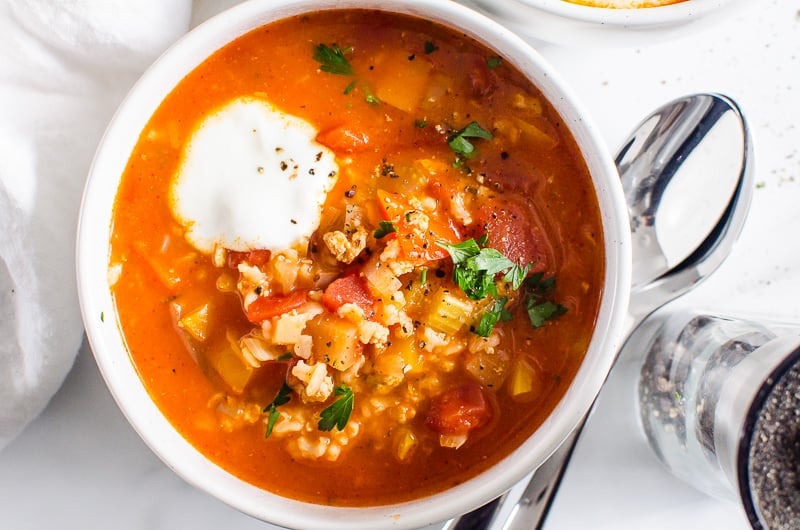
{"x": 81, "y": 466}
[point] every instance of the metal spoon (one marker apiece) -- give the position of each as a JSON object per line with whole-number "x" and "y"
{"x": 687, "y": 175}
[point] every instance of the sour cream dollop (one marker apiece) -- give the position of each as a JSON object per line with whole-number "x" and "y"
{"x": 251, "y": 177}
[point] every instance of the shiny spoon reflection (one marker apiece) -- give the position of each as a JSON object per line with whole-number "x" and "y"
{"x": 686, "y": 171}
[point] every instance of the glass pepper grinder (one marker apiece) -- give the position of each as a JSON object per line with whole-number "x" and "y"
{"x": 719, "y": 403}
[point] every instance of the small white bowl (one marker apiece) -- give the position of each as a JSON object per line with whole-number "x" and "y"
{"x": 108, "y": 345}
{"x": 566, "y": 23}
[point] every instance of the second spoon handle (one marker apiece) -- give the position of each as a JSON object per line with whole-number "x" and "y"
{"x": 539, "y": 493}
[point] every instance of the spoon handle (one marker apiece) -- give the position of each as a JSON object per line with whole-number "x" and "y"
{"x": 538, "y": 496}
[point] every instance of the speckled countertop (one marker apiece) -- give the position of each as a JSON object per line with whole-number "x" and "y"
{"x": 81, "y": 466}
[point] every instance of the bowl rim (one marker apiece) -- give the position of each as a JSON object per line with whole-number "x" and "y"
{"x": 121, "y": 377}
{"x": 686, "y": 11}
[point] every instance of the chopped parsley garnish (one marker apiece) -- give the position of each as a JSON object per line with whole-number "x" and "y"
{"x": 369, "y": 97}
{"x": 459, "y": 162}
{"x": 516, "y": 276}
{"x": 420, "y": 124}
{"x": 460, "y": 252}
{"x": 423, "y": 276}
{"x": 350, "y": 87}
{"x": 476, "y": 265}
{"x": 474, "y": 269}
{"x": 496, "y": 313}
{"x": 281, "y": 398}
{"x": 460, "y": 144}
{"x": 430, "y": 47}
{"x": 494, "y": 62}
{"x": 538, "y": 313}
{"x": 538, "y": 290}
{"x": 539, "y": 286}
{"x": 332, "y": 58}
{"x": 384, "y": 229}
{"x": 338, "y": 413}
{"x": 284, "y": 356}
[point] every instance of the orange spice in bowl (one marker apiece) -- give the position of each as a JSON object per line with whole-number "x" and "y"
{"x": 625, "y": 4}
{"x": 612, "y": 23}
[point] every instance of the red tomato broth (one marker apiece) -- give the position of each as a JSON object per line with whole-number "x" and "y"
{"x": 543, "y": 170}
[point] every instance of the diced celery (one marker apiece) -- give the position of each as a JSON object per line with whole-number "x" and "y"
{"x": 416, "y": 295}
{"x": 448, "y": 312}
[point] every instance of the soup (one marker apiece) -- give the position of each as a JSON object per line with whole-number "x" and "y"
{"x": 357, "y": 258}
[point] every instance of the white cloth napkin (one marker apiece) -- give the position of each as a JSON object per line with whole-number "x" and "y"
{"x": 64, "y": 67}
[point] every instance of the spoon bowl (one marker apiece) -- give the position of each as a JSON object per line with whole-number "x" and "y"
{"x": 700, "y": 173}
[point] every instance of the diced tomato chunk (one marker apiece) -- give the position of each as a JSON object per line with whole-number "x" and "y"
{"x": 266, "y": 307}
{"x": 252, "y": 257}
{"x": 515, "y": 231}
{"x": 459, "y": 410}
{"x": 351, "y": 289}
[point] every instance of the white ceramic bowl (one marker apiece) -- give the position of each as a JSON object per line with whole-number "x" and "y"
{"x": 562, "y": 22}
{"x": 121, "y": 377}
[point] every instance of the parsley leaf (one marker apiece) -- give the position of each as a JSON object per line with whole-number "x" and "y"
{"x": 281, "y": 398}
{"x": 475, "y": 283}
{"x": 384, "y": 229}
{"x": 475, "y": 267}
{"x": 338, "y": 413}
{"x": 461, "y": 145}
{"x": 497, "y": 313}
{"x": 538, "y": 286}
{"x": 473, "y": 130}
{"x": 538, "y": 313}
{"x": 492, "y": 261}
{"x": 538, "y": 291}
{"x": 332, "y": 58}
{"x": 494, "y": 62}
{"x": 430, "y": 47}
{"x": 461, "y": 252}
{"x": 459, "y": 162}
{"x": 516, "y": 276}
